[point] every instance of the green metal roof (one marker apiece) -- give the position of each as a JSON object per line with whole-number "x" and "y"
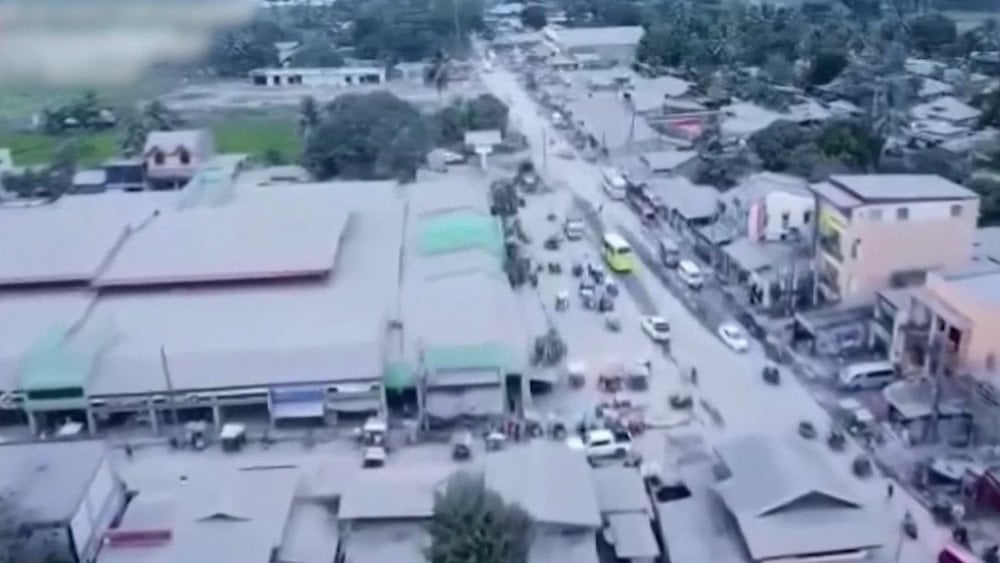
{"x": 475, "y": 356}
{"x": 460, "y": 231}
{"x": 399, "y": 375}
{"x": 51, "y": 364}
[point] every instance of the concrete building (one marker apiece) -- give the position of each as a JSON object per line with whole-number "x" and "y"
{"x": 955, "y": 311}
{"x": 877, "y": 231}
{"x": 59, "y": 500}
{"x": 613, "y": 44}
{"x": 173, "y": 157}
{"x": 314, "y": 77}
{"x": 177, "y": 301}
{"x": 627, "y": 513}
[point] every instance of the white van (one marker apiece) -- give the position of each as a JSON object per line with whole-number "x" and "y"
{"x": 690, "y": 274}
{"x": 867, "y": 375}
{"x": 613, "y": 183}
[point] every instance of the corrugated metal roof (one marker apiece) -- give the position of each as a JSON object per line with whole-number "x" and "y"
{"x": 549, "y": 480}
{"x": 45, "y": 482}
{"x": 633, "y": 535}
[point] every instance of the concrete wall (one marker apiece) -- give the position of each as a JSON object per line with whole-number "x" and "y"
{"x": 876, "y": 244}
{"x": 798, "y": 208}
{"x": 983, "y": 337}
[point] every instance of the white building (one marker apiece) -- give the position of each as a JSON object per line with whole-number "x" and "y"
{"x": 342, "y": 76}
{"x": 613, "y": 44}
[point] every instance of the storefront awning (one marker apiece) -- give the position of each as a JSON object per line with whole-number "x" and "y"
{"x": 471, "y": 401}
{"x": 299, "y": 409}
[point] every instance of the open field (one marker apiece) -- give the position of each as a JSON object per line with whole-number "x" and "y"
{"x": 233, "y": 134}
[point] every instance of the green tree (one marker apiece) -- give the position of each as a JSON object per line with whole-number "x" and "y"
{"x": 779, "y": 70}
{"x": 533, "y": 16}
{"x": 826, "y": 66}
{"x": 852, "y": 144}
{"x": 367, "y": 136}
{"x": 317, "y": 53}
{"x": 236, "y": 52}
{"x": 662, "y": 45}
{"x": 486, "y": 111}
{"x": 309, "y": 115}
{"x": 930, "y": 32}
{"x": 473, "y": 523}
{"x": 161, "y": 118}
{"x": 619, "y": 13}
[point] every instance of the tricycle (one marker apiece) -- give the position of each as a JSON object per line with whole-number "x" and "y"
{"x": 836, "y": 440}
{"x": 461, "y": 446}
{"x": 770, "y": 374}
{"x": 807, "y": 430}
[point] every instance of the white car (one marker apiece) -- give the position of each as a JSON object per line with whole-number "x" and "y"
{"x": 603, "y": 443}
{"x": 657, "y": 328}
{"x": 734, "y": 337}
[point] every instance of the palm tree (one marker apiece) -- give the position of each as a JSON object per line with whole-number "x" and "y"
{"x": 161, "y": 118}
{"x": 308, "y": 115}
{"x": 473, "y": 523}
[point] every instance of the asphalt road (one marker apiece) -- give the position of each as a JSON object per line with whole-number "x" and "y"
{"x": 727, "y": 379}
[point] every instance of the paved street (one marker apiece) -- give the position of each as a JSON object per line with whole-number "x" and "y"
{"x": 729, "y": 380}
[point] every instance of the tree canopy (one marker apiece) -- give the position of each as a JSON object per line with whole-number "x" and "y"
{"x": 480, "y": 113}
{"x": 413, "y": 30}
{"x": 533, "y": 16}
{"x": 317, "y": 52}
{"x": 473, "y": 523}
{"x": 813, "y": 152}
{"x": 826, "y": 66}
{"x": 236, "y": 52}
{"x": 367, "y": 136}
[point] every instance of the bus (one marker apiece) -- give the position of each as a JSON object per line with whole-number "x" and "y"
{"x": 617, "y": 253}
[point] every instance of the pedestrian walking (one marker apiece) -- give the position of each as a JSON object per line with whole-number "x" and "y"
{"x": 889, "y": 490}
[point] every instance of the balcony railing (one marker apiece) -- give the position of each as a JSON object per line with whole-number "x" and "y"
{"x": 830, "y": 244}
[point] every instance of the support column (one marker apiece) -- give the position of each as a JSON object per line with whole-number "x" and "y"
{"x": 217, "y": 416}
{"x": 32, "y": 423}
{"x": 154, "y": 420}
{"x": 91, "y": 422}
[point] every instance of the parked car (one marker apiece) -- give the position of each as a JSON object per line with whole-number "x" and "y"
{"x": 734, "y": 337}
{"x": 573, "y": 229}
{"x": 690, "y": 274}
{"x": 866, "y": 375}
{"x": 603, "y": 443}
{"x": 657, "y": 328}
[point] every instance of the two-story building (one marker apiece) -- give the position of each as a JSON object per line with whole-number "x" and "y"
{"x": 173, "y": 157}
{"x": 889, "y": 230}
{"x": 955, "y": 316}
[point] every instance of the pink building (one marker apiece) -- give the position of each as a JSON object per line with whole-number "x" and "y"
{"x": 889, "y": 230}
{"x": 173, "y": 157}
{"x": 957, "y": 312}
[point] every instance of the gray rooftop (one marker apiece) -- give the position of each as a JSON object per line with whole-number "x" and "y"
{"x": 689, "y": 200}
{"x": 665, "y": 161}
{"x": 606, "y": 116}
{"x": 262, "y": 236}
{"x": 633, "y": 537}
{"x": 550, "y": 480}
{"x": 435, "y": 194}
{"x": 900, "y": 187}
{"x": 982, "y": 285}
{"x": 386, "y": 542}
{"x": 754, "y": 256}
{"x": 759, "y": 185}
{"x": 550, "y": 547}
{"x": 216, "y": 337}
{"x": 803, "y": 507}
{"x": 46, "y": 482}
{"x": 214, "y": 515}
{"x": 987, "y": 243}
{"x": 620, "y": 489}
{"x": 598, "y": 36}
{"x": 57, "y": 243}
{"x": 393, "y": 492}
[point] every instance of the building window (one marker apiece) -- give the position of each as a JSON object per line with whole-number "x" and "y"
{"x": 875, "y": 214}
{"x": 807, "y": 217}
{"x": 902, "y": 213}
{"x": 786, "y": 217}
{"x": 956, "y": 210}
{"x": 856, "y": 249}
{"x": 158, "y": 158}
{"x": 185, "y": 157}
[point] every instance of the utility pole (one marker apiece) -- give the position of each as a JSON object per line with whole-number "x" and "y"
{"x": 545, "y": 150}
{"x": 170, "y": 389}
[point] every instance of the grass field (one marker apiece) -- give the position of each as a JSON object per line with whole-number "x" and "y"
{"x": 237, "y": 134}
